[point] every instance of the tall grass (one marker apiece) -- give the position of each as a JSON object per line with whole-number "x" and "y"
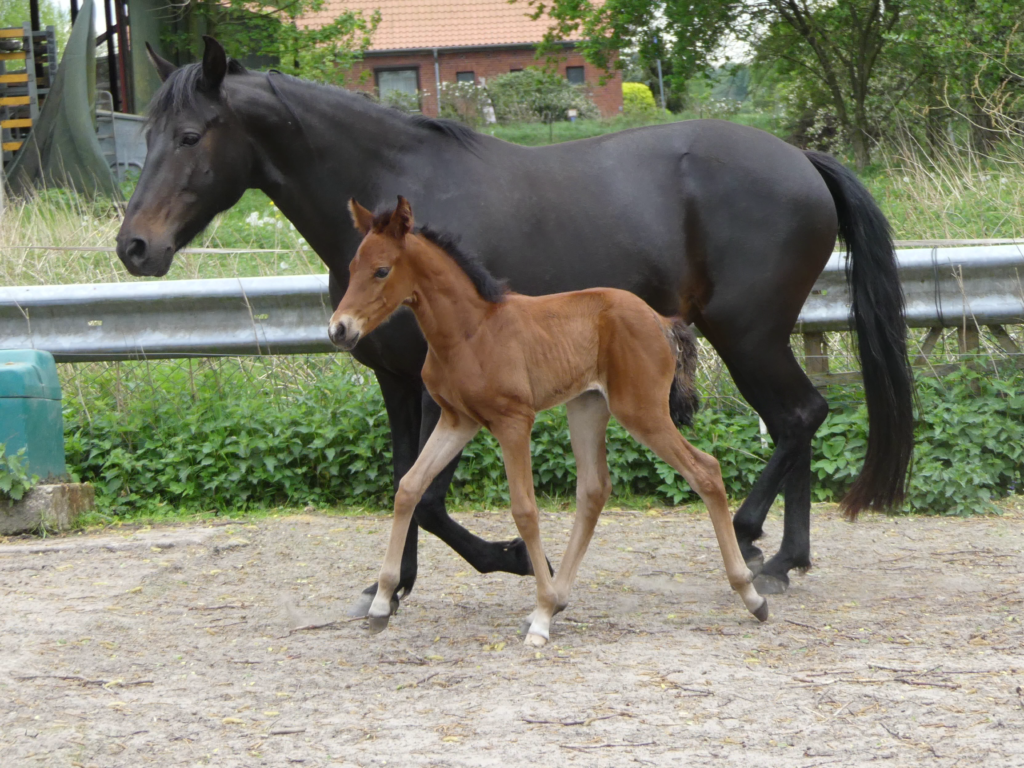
{"x": 61, "y": 219}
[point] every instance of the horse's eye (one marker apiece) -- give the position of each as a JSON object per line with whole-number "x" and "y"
{"x": 382, "y": 272}
{"x": 190, "y": 139}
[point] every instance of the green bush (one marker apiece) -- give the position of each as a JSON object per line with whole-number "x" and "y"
{"x": 15, "y": 480}
{"x": 204, "y": 442}
{"x": 533, "y": 95}
{"x": 637, "y": 100}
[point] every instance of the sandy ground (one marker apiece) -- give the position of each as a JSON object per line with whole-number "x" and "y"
{"x": 186, "y": 646}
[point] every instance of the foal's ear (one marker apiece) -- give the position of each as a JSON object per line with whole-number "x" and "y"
{"x": 215, "y": 64}
{"x": 163, "y": 67}
{"x": 361, "y": 218}
{"x": 401, "y": 220}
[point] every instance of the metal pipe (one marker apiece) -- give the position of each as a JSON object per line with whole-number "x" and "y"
{"x": 33, "y": 12}
{"x": 437, "y": 83}
{"x": 74, "y": 11}
{"x": 944, "y": 287}
{"x": 115, "y": 93}
{"x": 122, "y": 56}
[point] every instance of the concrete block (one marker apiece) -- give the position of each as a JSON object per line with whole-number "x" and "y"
{"x": 52, "y": 506}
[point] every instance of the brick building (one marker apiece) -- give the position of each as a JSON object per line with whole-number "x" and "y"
{"x": 419, "y": 41}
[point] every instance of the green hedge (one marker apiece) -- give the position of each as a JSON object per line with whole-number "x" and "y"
{"x": 211, "y": 444}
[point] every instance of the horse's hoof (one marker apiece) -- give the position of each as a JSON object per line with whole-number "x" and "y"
{"x": 761, "y": 614}
{"x": 377, "y": 624}
{"x": 766, "y": 584}
{"x": 361, "y": 607}
{"x": 756, "y": 563}
{"x": 536, "y": 641}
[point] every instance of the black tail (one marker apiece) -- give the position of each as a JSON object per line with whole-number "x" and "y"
{"x": 683, "y": 398}
{"x": 878, "y": 317}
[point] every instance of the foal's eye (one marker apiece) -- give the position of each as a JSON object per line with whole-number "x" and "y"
{"x": 382, "y": 272}
{"x": 190, "y": 139}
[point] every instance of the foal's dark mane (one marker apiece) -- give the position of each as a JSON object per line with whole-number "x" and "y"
{"x": 179, "y": 92}
{"x": 487, "y": 285}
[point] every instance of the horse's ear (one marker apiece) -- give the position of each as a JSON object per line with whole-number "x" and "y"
{"x": 215, "y": 64}
{"x": 361, "y": 217}
{"x": 401, "y": 220}
{"x": 163, "y": 67}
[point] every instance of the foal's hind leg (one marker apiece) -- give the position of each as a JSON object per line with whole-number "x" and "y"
{"x": 514, "y": 438}
{"x": 703, "y": 474}
{"x": 588, "y": 421}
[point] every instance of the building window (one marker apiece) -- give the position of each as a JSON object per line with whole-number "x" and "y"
{"x": 403, "y": 83}
{"x": 516, "y": 69}
{"x": 575, "y": 75}
{"x": 465, "y": 77}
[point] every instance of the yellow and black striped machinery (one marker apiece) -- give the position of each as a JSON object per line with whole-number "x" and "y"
{"x": 28, "y": 66}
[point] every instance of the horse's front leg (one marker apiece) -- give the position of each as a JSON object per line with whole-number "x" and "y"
{"x": 450, "y": 436}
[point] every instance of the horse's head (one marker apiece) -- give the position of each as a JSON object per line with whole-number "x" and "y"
{"x": 198, "y": 163}
{"x": 380, "y": 279}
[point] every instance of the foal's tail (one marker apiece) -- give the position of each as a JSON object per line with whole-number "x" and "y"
{"x": 878, "y": 316}
{"x": 683, "y": 398}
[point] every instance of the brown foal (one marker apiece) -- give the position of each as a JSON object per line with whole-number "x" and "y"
{"x": 496, "y": 359}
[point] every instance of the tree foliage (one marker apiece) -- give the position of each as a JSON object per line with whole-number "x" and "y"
{"x": 274, "y": 33}
{"x": 856, "y": 60}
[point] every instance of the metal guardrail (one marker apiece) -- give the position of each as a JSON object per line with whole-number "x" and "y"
{"x": 287, "y": 315}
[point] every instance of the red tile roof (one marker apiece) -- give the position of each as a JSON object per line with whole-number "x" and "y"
{"x": 441, "y": 23}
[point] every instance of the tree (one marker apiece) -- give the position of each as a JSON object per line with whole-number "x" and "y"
{"x": 839, "y": 42}
{"x": 272, "y": 33}
{"x": 14, "y": 13}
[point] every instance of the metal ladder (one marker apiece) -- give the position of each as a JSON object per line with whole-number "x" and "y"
{"x": 28, "y": 66}
{"x": 105, "y": 131}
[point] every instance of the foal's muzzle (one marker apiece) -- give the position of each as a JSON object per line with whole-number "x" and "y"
{"x": 344, "y": 333}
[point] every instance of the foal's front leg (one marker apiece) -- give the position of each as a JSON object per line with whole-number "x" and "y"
{"x": 514, "y": 438}
{"x": 449, "y": 437}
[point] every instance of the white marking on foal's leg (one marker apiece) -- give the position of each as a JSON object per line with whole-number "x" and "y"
{"x": 539, "y": 633}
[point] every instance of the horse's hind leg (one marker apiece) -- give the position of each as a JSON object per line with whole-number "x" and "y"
{"x": 772, "y": 381}
{"x": 704, "y": 475}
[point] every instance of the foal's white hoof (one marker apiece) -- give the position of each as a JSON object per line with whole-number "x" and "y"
{"x": 377, "y": 624}
{"x": 536, "y": 641}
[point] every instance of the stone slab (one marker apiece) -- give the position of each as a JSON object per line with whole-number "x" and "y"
{"x": 53, "y": 507}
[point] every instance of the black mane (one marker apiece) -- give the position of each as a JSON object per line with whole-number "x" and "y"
{"x": 487, "y": 285}
{"x": 180, "y": 89}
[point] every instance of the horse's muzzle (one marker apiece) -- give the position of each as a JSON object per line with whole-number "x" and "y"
{"x": 142, "y": 260}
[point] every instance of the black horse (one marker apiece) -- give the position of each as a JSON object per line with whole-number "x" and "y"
{"x": 723, "y": 224}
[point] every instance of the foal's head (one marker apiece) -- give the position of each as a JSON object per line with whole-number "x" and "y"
{"x": 380, "y": 279}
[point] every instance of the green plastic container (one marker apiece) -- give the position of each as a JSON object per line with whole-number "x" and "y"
{"x": 30, "y": 412}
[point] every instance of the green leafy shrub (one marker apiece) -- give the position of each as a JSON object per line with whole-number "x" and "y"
{"x": 533, "y": 95}
{"x": 637, "y": 100}
{"x": 202, "y": 442}
{"x": 15, "y": 480}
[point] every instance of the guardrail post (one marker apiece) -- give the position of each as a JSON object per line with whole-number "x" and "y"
{"x": 816, "y": 353}
{"x": 1003, "y": 339}
{"x": 934, "y": 334}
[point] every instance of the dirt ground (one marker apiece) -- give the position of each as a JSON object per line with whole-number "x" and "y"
{"x": 192, "y": 646}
